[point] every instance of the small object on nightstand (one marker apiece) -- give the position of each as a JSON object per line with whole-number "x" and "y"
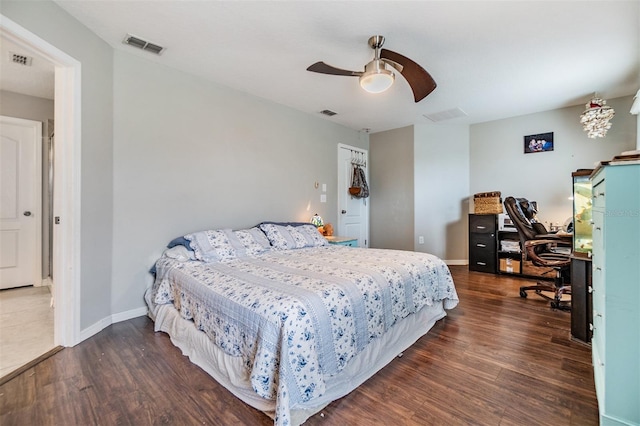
{"x": 317, "y": 220}
{"x": 328, "y": 230}
{"x": 343, "y": 241}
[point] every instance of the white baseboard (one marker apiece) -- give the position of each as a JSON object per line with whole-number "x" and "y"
{"x": 95, "y": 328}
{"x": 115, "y": 318}
{"x": 133, "y": 313}
{"x": 457, "y": 262}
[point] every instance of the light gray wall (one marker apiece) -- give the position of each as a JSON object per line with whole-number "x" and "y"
{"x": 392, "y": 189}
{"x": 420, "y": 187}
{"x": 164, "y": 154}
{"x": 37, "y": 109}
{"x": 441, "y": 157}
{"x": 499, "y": 164}
{"x": 51, "y": 23}
{"x": 191, "y": 155}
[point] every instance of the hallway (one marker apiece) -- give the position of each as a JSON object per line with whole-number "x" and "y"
{"x": 26, "y": 326}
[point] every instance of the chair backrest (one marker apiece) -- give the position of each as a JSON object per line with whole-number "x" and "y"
{"x": 523, "y": 215}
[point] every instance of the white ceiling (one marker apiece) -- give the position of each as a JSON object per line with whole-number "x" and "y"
{"x": 492, "y": 59}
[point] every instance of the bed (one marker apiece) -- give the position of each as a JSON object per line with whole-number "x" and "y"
{"x": 286, "y": 321}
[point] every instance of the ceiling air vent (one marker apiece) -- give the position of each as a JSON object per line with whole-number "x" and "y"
{"x": 446, "y": 115}
{"x": 19, "y": 59}
{"x": 142, "y": 44}
{"x": 328, "y": 112}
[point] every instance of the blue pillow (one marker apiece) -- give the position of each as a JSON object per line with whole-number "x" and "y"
{"x": 180, "y": 241}
{"x": 285, "y": 223}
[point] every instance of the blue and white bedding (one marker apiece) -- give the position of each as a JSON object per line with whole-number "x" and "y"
{"x": 297, "y": 316}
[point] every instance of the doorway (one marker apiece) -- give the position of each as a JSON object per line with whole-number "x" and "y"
{"x": 353, "y": 213}
{"x": 66, "y": 177}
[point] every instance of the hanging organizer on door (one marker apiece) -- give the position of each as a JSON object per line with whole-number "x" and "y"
{"x": 359, "y": 187}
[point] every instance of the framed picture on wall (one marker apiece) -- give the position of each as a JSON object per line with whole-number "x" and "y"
{"x": 538, "y": 143}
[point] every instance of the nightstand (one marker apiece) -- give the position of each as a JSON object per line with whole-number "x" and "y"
{"x": 343, "y": 241}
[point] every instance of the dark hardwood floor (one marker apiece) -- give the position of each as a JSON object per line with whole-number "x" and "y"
{"x": 496, "y": 359}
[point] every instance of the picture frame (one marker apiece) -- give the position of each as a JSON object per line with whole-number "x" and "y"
{"x": 542, "y": 142}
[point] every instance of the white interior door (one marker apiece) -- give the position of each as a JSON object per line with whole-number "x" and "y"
{"x": 20, "y": 202}
{"x": 353, "y": 213}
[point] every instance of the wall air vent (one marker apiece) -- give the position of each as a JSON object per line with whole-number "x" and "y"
{"x": 142, "y": 44}
{"x": 449, "y": 114}
{"x": 328, "y": 112}
{"x": 19, "y": 59}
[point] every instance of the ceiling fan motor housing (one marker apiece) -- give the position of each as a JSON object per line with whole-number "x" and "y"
{"x": 376, "y": 77}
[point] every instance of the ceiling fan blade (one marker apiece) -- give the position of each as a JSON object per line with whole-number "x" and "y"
{"x": 323, "y": 68}
{"x": 418, "y": 78}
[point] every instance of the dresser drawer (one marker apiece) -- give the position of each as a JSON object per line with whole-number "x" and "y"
{"x": 482, "y": 261}
{"x": 598, "y": 232}
{"x": 483, "y": 224}
{"x": 598, "y": 292}
{"x": 598, "y": 335}
{"x": 482, "y": 243}
{"x": 598, "y": 193}
{"x": 598, "y": 370}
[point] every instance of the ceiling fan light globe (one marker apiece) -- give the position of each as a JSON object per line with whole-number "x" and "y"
{"x": 377, "y": 81}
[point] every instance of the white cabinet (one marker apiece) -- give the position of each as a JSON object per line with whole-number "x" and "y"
{"x": 616, "y": 292}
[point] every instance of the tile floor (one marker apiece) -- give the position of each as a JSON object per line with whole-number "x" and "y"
{"x": 26, "y": 326}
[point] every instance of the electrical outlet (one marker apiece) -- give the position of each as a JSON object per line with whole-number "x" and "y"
{"x": 420, "y": 239}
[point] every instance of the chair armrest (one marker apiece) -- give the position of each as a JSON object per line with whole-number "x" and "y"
{"x": 558, "y": 259}
{"x": 561, "y": 237}
{"x": 535, "y": 243}
{"x": 561, "y": 240}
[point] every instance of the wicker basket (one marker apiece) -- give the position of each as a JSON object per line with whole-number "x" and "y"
{"x": 487, "y": 203}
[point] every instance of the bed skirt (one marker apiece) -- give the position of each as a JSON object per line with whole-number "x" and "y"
{"x": 230, "y": 372}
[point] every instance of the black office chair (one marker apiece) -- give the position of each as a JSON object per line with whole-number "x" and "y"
{"x": 538, "y": 246}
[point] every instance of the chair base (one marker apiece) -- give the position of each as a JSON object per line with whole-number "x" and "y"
{"x": 556, "y": 300}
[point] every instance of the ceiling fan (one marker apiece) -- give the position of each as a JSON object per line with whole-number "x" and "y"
{"x": 377, "y": 77}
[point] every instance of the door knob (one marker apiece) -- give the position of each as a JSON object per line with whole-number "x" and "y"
{"x": 344, "y": 211}
{"x": 27, "y": 213}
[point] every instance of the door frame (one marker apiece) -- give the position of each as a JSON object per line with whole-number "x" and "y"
{"x": 36, "y": 202}
{"x": 66, "y": 204}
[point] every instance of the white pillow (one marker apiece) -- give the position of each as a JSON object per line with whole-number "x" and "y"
{"x": 180, "y": 253}
{"x": 223, "y": 245}
{"x": 289, "y": 237}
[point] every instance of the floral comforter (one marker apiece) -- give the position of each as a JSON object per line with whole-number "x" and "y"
{"x": 298, "y": 316}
